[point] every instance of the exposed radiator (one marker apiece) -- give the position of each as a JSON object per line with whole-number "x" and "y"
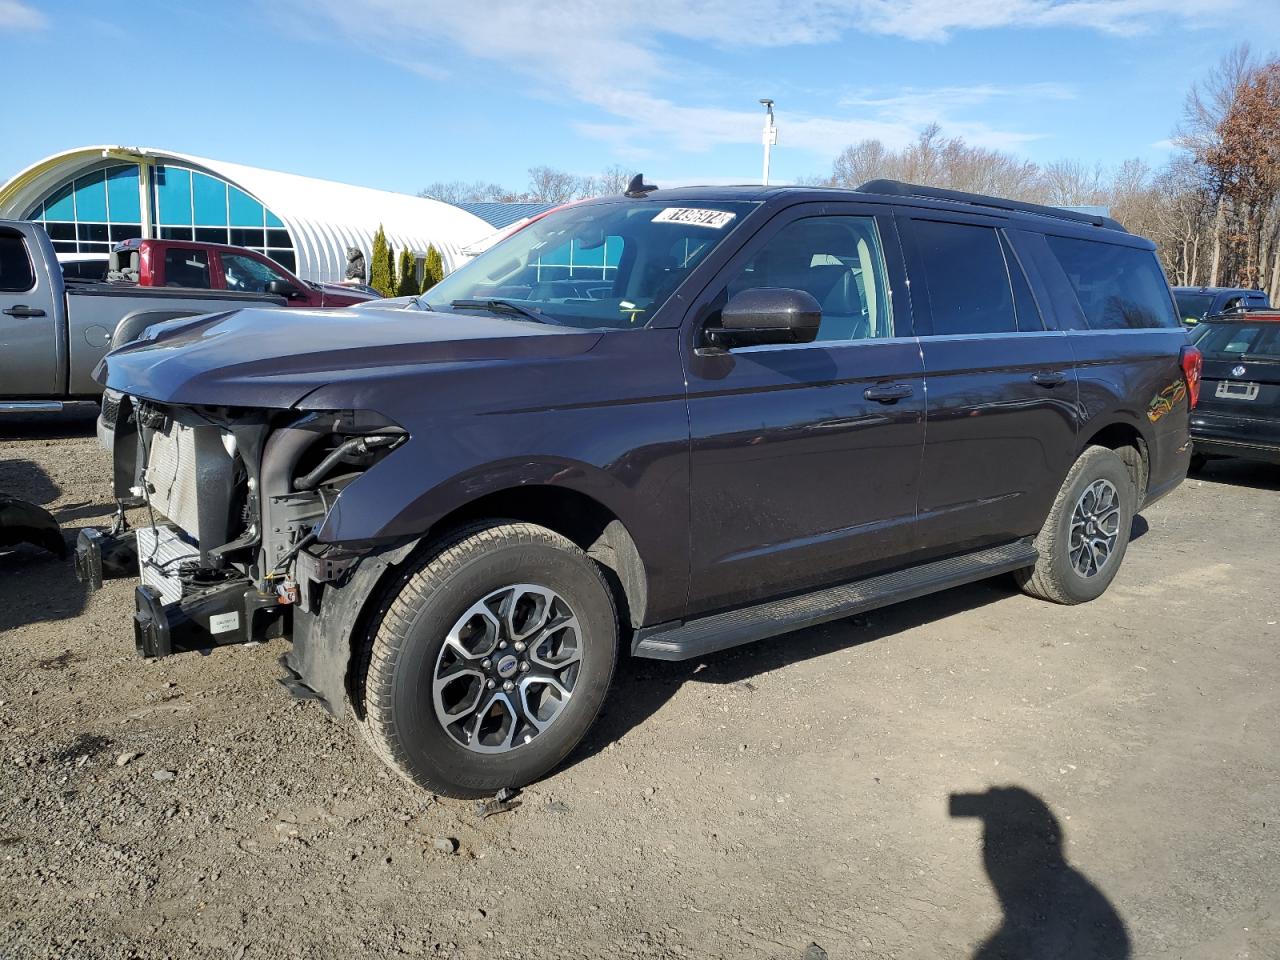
{"x": 171, "y": 471}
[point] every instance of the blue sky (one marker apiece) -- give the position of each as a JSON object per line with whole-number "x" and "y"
{"x": 399, "y": 93}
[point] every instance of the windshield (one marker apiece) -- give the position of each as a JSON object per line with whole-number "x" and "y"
{"x": 1231, "y": 341}
{"x": 1193, "y": 306}
{"x": 600, "y": 265}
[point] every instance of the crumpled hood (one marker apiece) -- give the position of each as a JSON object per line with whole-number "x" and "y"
{"x": 262, "y": 357}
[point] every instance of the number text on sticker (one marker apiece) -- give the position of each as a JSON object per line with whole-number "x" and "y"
{"x": 696, "y": 216}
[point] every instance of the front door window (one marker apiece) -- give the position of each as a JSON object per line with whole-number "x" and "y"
{"x": 248, "y": 275}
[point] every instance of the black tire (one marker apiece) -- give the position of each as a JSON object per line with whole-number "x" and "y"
{"x": 400, "y": 719}
{"x": 1055, "y": 577}
{"x": 1198, "y": 461}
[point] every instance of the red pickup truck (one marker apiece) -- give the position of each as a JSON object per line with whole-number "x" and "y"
{"x": 215, "y": 266}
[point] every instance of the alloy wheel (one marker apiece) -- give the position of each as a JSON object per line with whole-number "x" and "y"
{"x": 507, "y": 668}
{"x": 1095, "y": 528}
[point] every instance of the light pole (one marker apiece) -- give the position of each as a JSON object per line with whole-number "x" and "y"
{"x": 770, "y": 136}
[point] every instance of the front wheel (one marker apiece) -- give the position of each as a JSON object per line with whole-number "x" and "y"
{"x": 492, "y": 661}
{"x": 1084, "y": 539}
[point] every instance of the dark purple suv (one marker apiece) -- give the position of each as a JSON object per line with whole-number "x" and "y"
{"x": 661, "y": 424}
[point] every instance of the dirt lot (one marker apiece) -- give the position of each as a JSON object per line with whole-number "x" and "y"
{"x": 745, "y": 806}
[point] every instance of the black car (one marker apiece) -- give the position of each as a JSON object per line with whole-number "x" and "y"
{"x": 1239, "y": 411}
{"x": 1197, "y": 303}
{"x": 662, "y": 424}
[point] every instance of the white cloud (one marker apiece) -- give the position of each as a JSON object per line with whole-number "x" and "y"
{"x": 615, "y": 58}
{"x": 938, "y": 19}
{"x": 15, "y": 15}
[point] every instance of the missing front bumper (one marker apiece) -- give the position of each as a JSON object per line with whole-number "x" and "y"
{"x": 185, "y": 618}
{"x": 232, "y": 613}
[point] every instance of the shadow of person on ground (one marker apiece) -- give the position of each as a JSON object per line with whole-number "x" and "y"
{"x": 1051, "y": 910}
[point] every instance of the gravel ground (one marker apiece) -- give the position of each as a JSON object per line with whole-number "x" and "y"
{"x": 1121, "y": 756}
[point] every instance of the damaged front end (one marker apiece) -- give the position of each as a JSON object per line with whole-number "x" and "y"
{"x": 233, "y": 499}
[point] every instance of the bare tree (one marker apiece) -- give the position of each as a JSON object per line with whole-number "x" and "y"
{"x": 546, "y": 184}
{"x": 1207, "y": 106}
{"x": 613, "y": 180}
{"x": 1070, "y": 183}
{"x": 459, "y": 191}
{"x": 938, "y": 161}
{"x": 553, "y": 186}
{"x": 862, "y": 162}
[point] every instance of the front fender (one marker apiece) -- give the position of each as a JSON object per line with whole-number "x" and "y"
{"x": 398, "y": 499}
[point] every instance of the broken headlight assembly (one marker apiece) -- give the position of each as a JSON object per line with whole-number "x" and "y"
{"x": 305, "y": 467}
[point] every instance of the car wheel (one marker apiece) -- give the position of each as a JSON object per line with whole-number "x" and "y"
{"x": 1083, "y": 541}
{"x": 491, "y": 662}
{"x": 1198, "y": 461}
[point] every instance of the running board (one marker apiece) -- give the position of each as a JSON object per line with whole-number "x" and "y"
{"x": 31, "y": 406}
{"x": 697, "y": 638}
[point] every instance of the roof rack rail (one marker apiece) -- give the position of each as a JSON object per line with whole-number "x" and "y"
{"x": 896, "y": 188}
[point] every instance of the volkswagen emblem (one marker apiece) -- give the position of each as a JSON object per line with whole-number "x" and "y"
{"x": 507, "y": 667}
{"x": 1237, "y": 371}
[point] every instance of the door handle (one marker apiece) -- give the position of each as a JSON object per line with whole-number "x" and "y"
{"x": 1049, "y": 378}
{"x": 888, "y": 392}
{"x": 22, "y": 310}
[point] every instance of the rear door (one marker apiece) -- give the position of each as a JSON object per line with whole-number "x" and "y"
{"x": 1240, "y": 391}
{"x": 31, "y": 360}
{"x": 1001, "y": 419}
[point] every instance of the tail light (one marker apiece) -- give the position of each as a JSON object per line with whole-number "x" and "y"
{"x": 1192, "y": 366}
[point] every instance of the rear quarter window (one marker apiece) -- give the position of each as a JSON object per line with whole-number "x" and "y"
{"x": 1119, "y": 288}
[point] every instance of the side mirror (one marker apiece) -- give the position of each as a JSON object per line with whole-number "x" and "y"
{"x": 282, "y": 288}
{"x": 767, "y": 315}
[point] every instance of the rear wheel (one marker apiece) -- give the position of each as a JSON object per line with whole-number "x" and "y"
{"x": 492, "y": 661}
{"x": 1083, "y": 541}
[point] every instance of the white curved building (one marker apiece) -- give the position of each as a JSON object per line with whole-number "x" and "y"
{"x": 92, "y": 197}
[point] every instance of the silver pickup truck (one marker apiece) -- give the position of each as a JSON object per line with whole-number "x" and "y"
{"x": 53, "y": 334}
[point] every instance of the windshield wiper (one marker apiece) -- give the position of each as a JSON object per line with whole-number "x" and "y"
{"x": 500, "y": 306}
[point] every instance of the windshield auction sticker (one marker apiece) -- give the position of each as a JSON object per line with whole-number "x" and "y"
{"x": 696, "y": 217}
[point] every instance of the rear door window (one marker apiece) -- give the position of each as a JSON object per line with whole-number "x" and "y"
{"x": 1119, "y": 288}
{"x": 967, "y": 276}
{"x": 16, "y": 275}
{"x": 186, "y": 268}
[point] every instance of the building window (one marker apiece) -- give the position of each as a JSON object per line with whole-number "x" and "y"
{"x": 93, "y": 210}
{"x": 571, "y": 261}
